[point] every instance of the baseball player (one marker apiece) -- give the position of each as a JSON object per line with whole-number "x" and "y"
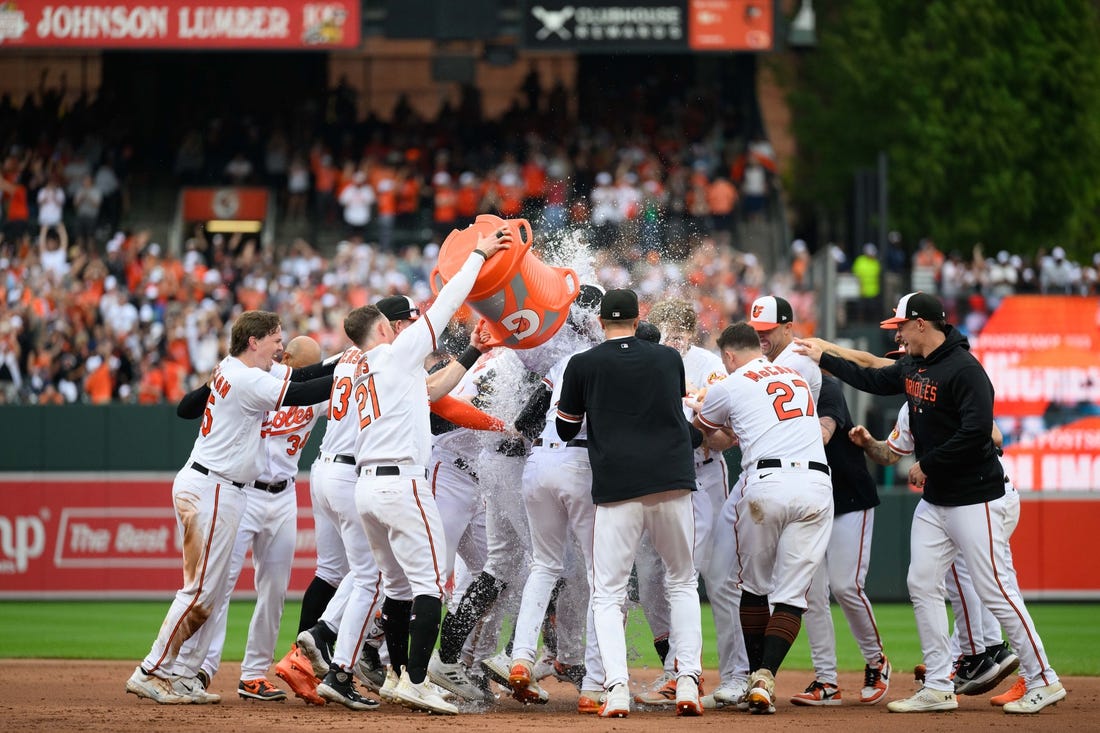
{"x": 846, "y": 562}
{"x": 557, "y": 495}
{"x": 950, "y": 401}
{"x": 642, "y": 479}
{"x": 391, "y": 392}
{"x": 209, "y": 496}
{"x": 676, "y": 320}
{"x": 269, "y": 528}
{"x": 982, "y": 657}
{"x": 786, "y": 512}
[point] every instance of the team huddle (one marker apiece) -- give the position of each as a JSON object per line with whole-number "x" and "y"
{"x": 612, "y": 435}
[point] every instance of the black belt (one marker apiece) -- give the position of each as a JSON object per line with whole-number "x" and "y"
{"x": 709, "y": 460}
{"x": 196, "y": 466}
{"x": 776, "y": 463}
{"x": 575, "y": 443}
{"x": 275, "y": 488}
{"x": 388, "y": 471}
{"x": 344, "y": 458}
{"x": 463, "y": 465}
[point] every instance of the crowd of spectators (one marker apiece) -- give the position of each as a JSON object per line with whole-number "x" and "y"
{"x": 98, "y": 314}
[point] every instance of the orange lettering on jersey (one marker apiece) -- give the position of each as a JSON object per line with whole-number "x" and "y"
{"x": 753, "y": 376}
{"x": 921, "y": 390}
{"x": 220, "y": 385}
{"x": 292, "y": 416}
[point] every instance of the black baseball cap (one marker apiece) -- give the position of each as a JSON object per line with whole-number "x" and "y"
{"x": 619, "y": 305}
{"x": 589, "y": 297}
{"x": 398, "y": 308}
{"x": 916, "y": 305}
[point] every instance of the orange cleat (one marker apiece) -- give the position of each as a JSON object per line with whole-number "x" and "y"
{"x": 1012, "y": 694}
{"x": 297, "y": 672}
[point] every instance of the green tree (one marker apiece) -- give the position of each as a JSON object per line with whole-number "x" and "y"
{"x": 989, "y": 112}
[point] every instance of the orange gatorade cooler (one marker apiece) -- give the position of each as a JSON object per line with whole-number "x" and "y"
{"x": 522, "y": 300}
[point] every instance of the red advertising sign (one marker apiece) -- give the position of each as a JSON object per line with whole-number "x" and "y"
{"x": 108, "y": 536}
{"x": 203, "y": 204}
{"x": 1042, "y": 353}
{"x": 259, "y": 24}
{"x": 730, "y": 25}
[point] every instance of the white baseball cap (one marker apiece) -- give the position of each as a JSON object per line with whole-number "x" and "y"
{"x": 770, "y": 311}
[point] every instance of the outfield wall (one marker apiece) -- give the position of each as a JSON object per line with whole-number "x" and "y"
{"x": 85, "y": 511}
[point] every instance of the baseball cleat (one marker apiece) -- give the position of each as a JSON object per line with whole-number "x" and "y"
{"x": 818, "y": 694}
{"x": 297, "y": 672}
{"x": 976, "y": 675}
{"x": 616, "y": 702}
{"x": 1004, "y": 659}
{"x": 192, "y": 687}
{"x": 154, "y": 688}
{"x": 761, "y": 694}
{"x": 725, "y": 695}
{"x": 423, "y": 696}
{"x": 590, "y": 701}
{"x": 661, "y": 693}
{"x": 1012, "y": 694}
{"x": 876, "y": 681}
{"x": 313, "y": 647}
{"x": 544, "y": 667}
{"x": 571, "y": 673}
{"x": 919, "y": 672}
{"x": 454, "y": 679}
{"x": 389, "y": 687}
{"x": 498, "y": 667}
{"x": 687, "y": 697}
{"x": 1035, "y": 700}
{"x": 339, "y": 686}
{"x": 926, "y": 700}
{"x": 525, "y": 688}
{"x": 260, "y": 689}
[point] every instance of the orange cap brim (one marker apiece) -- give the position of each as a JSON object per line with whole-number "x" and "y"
{"x": 762, "y": 325}
{"x": 891, "y": 324}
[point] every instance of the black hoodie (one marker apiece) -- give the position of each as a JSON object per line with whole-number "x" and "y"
{"x": 950, "y": 415}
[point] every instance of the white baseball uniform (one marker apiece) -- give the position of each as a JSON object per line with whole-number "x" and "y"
{"x": 269, "y": 528}
{"x": 975, "y": 625}
{"x": 454, "y": 483}
{"x": 350, "y": 610}
{"x": 786, "y": 513}
{"x": 557, "y": 492}
{"x": 393, "y": 450}
{"x": 209, "y": 498}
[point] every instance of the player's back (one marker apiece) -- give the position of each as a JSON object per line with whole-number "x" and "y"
{"x": 774, "y": 414}
{"x": 343, "y": 421}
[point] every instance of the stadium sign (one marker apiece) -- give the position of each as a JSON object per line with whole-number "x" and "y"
{"x": 266, "y": 24}
{"x": 648, "y": 26}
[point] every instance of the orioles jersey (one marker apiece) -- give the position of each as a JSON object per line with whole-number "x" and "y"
{"x": 804, "y": 365}
{"x": 552, "y": 380}
{"x": 702, "y": 368}
{"x": 229, "y": 436}
{"x": 771, "y": 410}
{"x": 285, "y": 433}
{"x": 343, "y": 424}
{"x": 390, "y": 390}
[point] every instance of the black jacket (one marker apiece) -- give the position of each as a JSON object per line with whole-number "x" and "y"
{"x": 950, "y": 414}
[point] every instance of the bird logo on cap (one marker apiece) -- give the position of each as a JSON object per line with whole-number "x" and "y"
{"x": 757, "y": 310}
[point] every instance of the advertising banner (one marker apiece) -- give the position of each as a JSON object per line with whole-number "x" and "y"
{"x": 108, "y": 536}
{"x": 1042, "y": 353}
{"x": 180, "y": 24}
{"x": 649, "y": 26}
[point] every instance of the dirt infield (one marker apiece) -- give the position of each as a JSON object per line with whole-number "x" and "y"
{"x": 89, "y": 696}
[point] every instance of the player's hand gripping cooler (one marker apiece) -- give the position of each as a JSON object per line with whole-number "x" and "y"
{"x": 522, "y": 301}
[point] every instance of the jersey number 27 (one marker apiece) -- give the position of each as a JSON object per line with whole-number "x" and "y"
{"x": 785, "y": 396}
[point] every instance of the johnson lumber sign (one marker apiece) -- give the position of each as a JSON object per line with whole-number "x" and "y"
{"x": 180, "y": 24}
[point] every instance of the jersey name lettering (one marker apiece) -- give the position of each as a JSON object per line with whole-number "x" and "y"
{"x": 774, "y": 370}
{"x": 220, "y": 385}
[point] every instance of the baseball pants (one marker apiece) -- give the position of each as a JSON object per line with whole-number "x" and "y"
{"x": 336, "y": 494}
{"x": 844, "y": 571}
{"x": 332, "y": 557}
{"x": 668, "y": 519}
{"x": 462, "y": 509}
{"x": 978, "y": 532}
{"x": 208, "y": 512}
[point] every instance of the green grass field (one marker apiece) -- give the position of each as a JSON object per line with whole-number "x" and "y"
{"x": 125, "y": 630}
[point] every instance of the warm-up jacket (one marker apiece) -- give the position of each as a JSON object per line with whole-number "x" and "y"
{"x": 950, "y": 415}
